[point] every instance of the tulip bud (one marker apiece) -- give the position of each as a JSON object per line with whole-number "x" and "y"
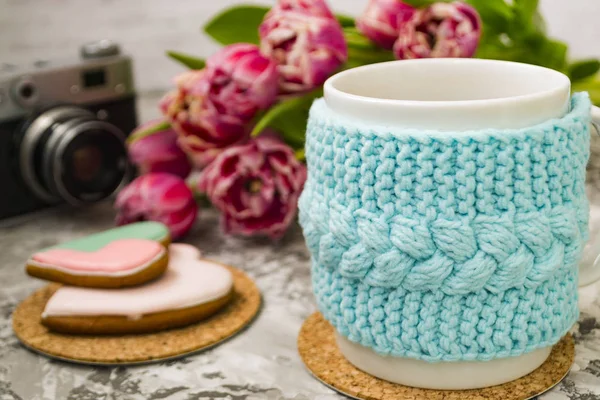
{"x": 440, "y": 30}
{"x": 382, "y": 20}
{"x": 307, "y": 48}
{"x": 211, "y": 108}
{"x": 317, "y": 8}
{"x": 157, "y": 151}
{"x": 242, "y": 80}
{"x": 158, "y": 197}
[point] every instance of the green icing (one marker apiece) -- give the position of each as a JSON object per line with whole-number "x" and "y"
{"x": 139, "y": 230}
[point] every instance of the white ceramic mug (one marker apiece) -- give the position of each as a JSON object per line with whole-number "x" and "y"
{"x": 448, "y": 95}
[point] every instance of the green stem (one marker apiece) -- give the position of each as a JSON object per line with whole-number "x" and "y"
{"x": 151, "y": 130}
{"x": 356, "y": 40}
{"x": 362, "y": 51}
{"x": 363, "y": 57}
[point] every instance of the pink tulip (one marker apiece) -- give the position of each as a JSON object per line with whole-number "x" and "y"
{"x": 311, "y": 7}
{"x": 157, "y": 151}
{"x": 211, "y": 108}
{"x": 242, "y": 80}
{"x": 158, "y": 197}
{"x": 382, "y": 20}
{"x": 256, "y": 186}
{"x": 307, "y": 48}
{"x": 440, "y": 30}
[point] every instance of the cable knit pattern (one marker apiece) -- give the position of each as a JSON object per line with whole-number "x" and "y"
{"x": 460, "y": 219}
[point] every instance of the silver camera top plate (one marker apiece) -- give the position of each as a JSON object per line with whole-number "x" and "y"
{"x": 101, "y": 74}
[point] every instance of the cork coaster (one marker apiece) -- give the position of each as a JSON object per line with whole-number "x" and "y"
{"x": 141, "y": 348}
{"x": 320, "y": 354}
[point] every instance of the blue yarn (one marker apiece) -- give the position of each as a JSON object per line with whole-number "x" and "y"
{"x": 447, "y": 246}
{"x": 433, "y": 326}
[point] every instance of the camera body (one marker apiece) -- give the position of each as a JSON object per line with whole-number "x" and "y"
{"x": 63, "y": 127}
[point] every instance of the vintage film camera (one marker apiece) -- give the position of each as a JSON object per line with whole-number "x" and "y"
{"x": 63, "y": 126}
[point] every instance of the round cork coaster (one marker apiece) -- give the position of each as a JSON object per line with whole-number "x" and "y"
{"x": 320, "y": 354}
{"x": 139, "y": 348}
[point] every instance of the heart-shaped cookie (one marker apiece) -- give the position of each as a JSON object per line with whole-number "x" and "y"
{"x": 125, "y": 256}
{"x": 149, "y": 230}
{"x": 190, "y": 290}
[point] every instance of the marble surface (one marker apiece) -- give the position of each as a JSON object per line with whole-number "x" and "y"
{"x": 260, "y": 363}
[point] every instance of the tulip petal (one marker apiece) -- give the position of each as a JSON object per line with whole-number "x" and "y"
{"x": 308, "y": 48}
{"x": 255, "y": 185}
{"x": 158, "y": 197}
{"x": 440, "y": 30}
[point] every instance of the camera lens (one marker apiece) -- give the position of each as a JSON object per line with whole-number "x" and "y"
{"x": 66, "y": 153}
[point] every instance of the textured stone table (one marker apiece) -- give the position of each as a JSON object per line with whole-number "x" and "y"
{"x": 262, "y": 362}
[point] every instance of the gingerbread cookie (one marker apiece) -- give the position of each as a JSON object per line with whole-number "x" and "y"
{"x": 139, "y": 230}
{"x": 190, "y": 290}
{"x": 124, "y": 262}
{"x": 103, "y": 276}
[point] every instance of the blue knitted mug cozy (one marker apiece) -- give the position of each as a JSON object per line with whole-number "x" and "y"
{"x": 447, "y": 245}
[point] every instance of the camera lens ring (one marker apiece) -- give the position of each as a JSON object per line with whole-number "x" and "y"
{"x": 31, "y": 138}
{"x": 56, "y": 164}
{"x": 48, "y": 154}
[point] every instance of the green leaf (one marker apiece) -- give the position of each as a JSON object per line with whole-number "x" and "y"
{"x": 345, "y": 20}
{"x": 496, "y": 15}
{"x": 498, "y": 52}
{"x": 552, "y": 54}
{"x": 357, "y": 57}
{"x": 526, "y": 9}
{"x": 424, "y": 3}
{"x": 362, "y": 51}
{"x": 590, "y": 85}
{"x": 161, "y": 126}
{"x": 189, "y": 61}
{"x": 288, "y": 118}
{"x": 527, "y": 20}
{"x": 534, "y": 48}
{"x": 539, "y": 23}
{"x": 236, "y": 24}
{"x": 582, "y": 69}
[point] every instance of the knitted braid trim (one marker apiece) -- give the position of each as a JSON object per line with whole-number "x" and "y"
{"x": 455, "y": 257}
{"x": 445, "y": 214}
{"x": 432, "y": 326}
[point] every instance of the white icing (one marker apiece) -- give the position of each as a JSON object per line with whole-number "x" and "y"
{"x": 187, "y": 282}
{"x": 115, "y": 274}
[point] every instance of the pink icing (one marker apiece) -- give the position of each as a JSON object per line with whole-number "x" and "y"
{"x": 187, "y": 282}
{"x": 120, "y": 255}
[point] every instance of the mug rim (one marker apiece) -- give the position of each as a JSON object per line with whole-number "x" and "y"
{"x": 330, "y": 90}
{"x": 538, "y": 94}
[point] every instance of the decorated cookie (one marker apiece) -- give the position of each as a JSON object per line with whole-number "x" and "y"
{"x": 190, "y": 290}
{"x": 45, "y": 265}
{"x": 120, "y": 263}
{"x": 149, "y": 230}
